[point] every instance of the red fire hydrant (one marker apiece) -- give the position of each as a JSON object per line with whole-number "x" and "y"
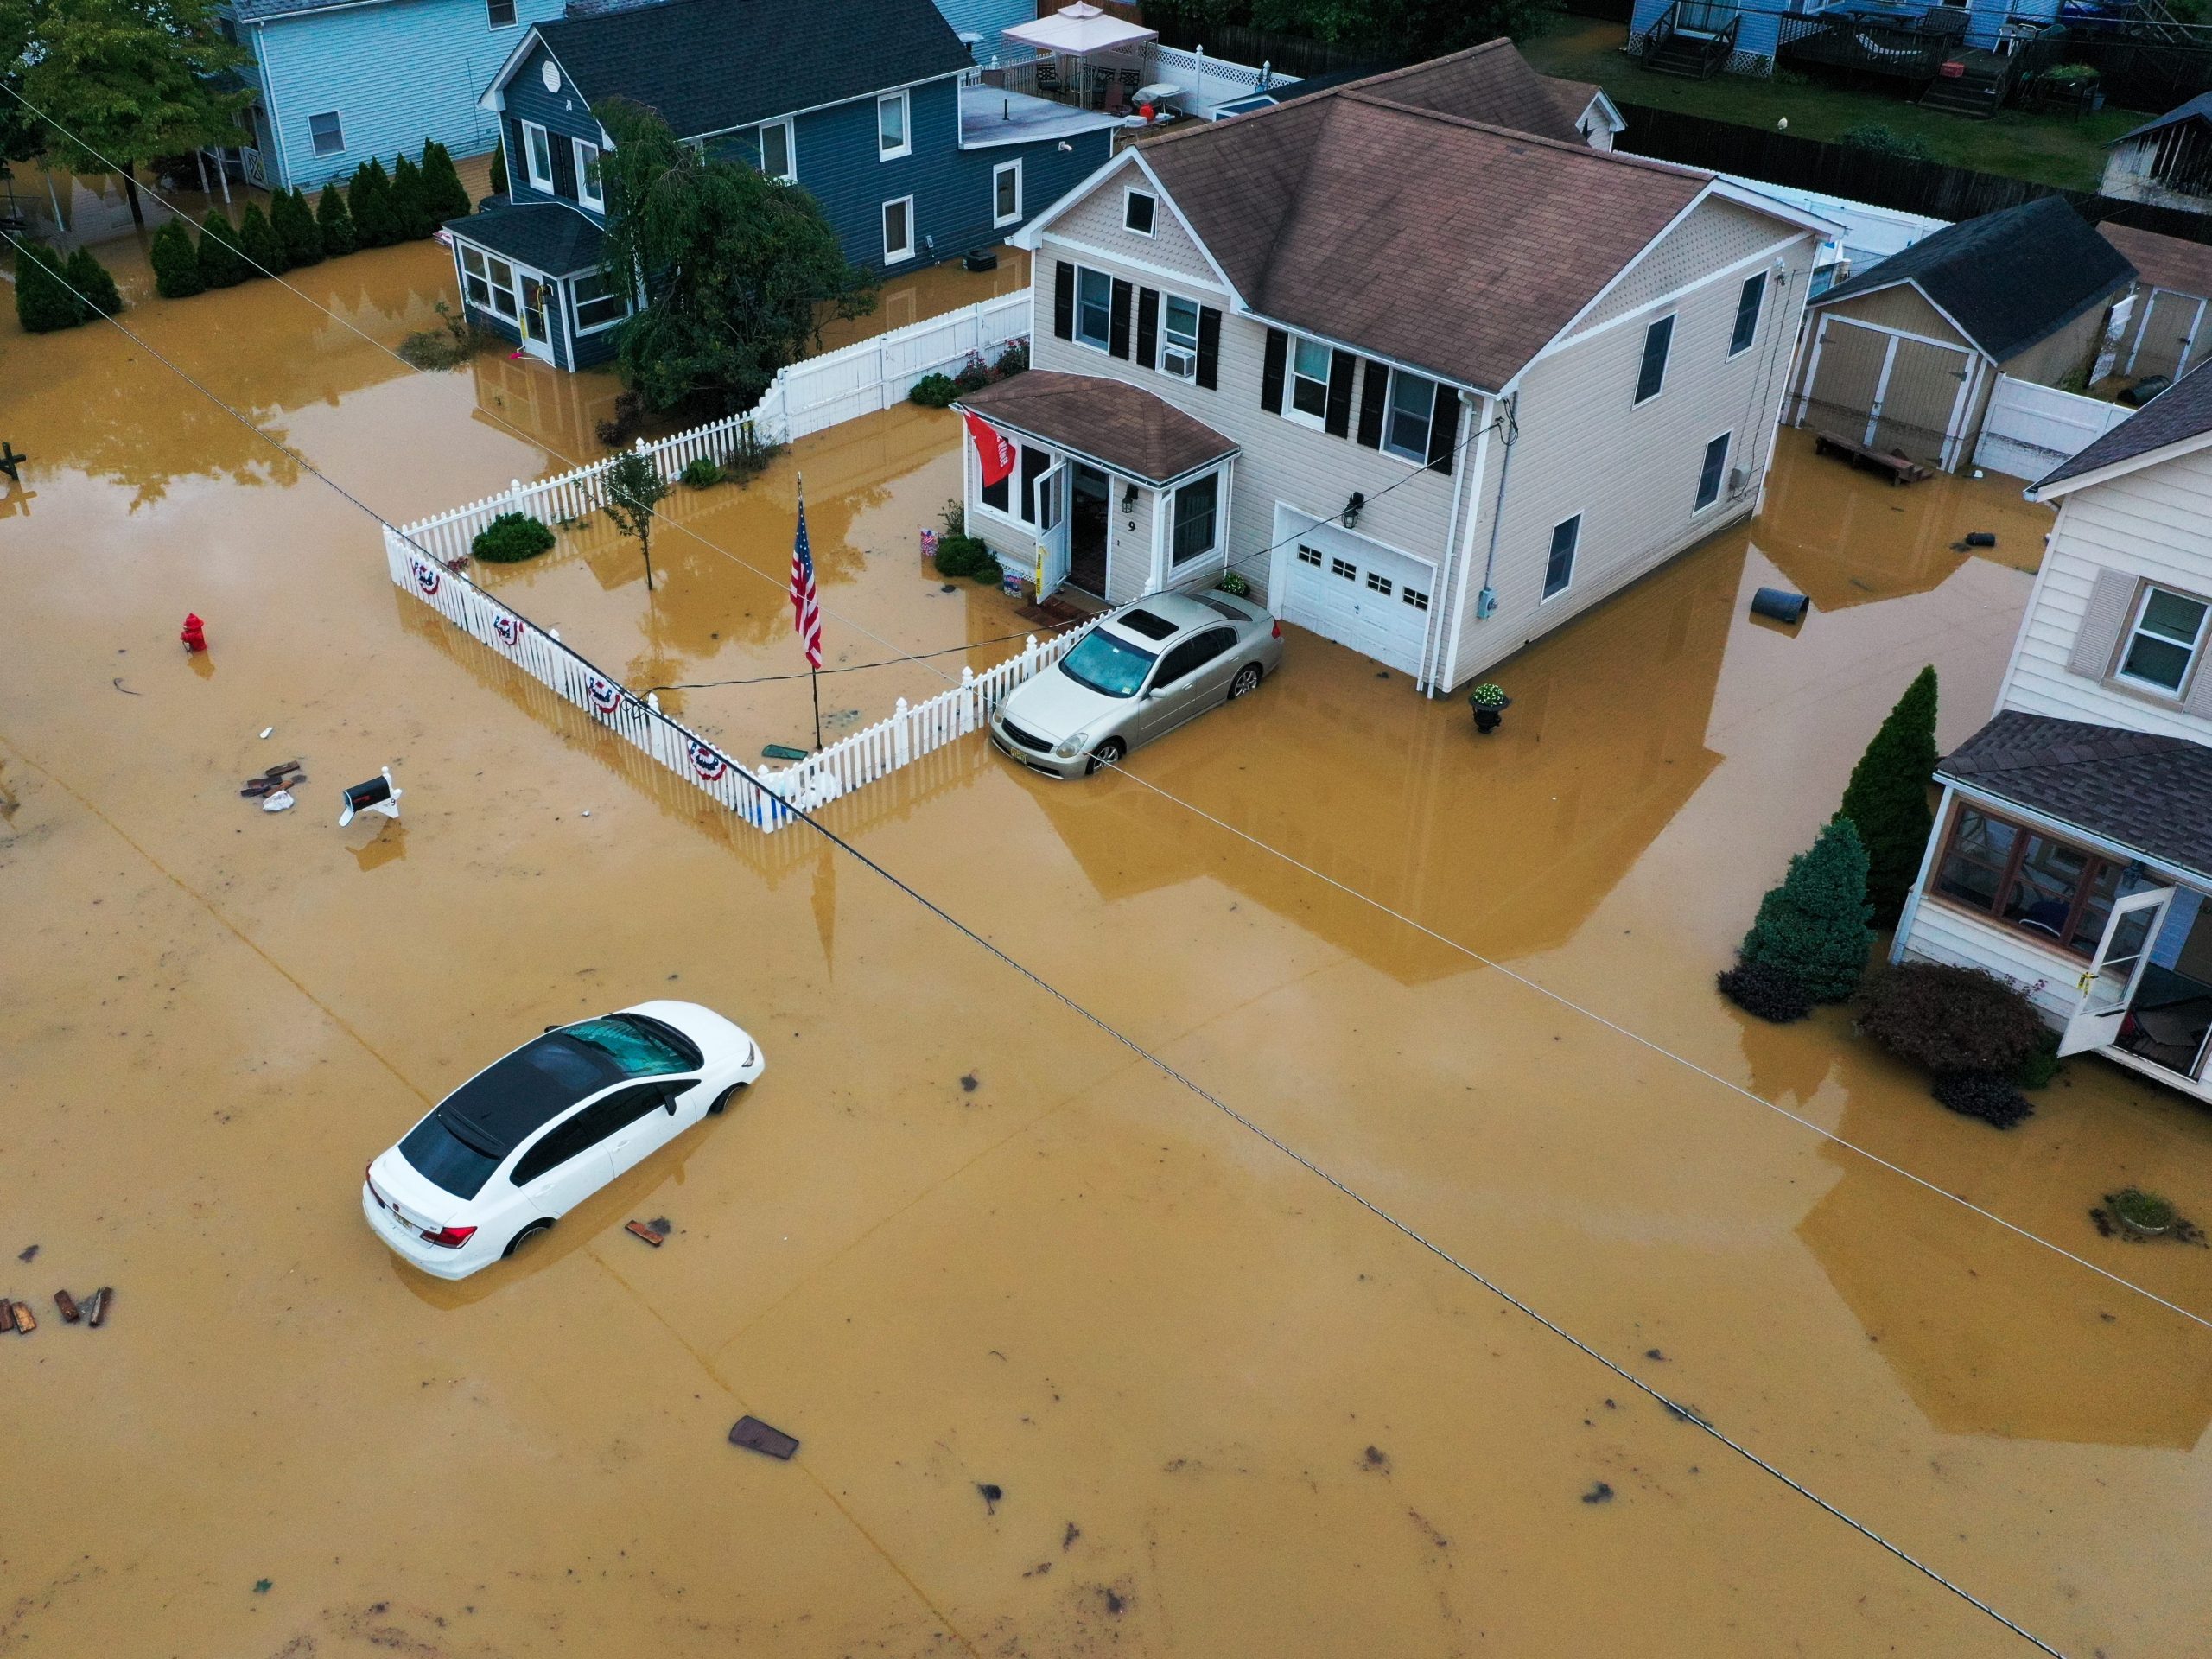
{"x": 194, "y": 633}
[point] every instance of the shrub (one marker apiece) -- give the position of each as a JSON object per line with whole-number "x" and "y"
{"x": 500, "y": 170}
{"x": 1760, "y": 988}
{"x": 293, "y": 220}
{"x": 1234, "y": 585}
{"x": 1983, "y": 1094}
{"x": 629, "y": 415}
{"x": 445, "y": 348}
{"x": 2146, "y": 1211}
{"x": 1814, "y": 925}
{"x": 411, "y": 201}
{"x": 1887, "y": 798}
{"x": 933, "y": 391}
{"x": 335, "y": 221}
{"x": 93, "y": 287}
{"x": 220, "y": 265}
{"x": 2043, "y": 1065}
{"x": 1883, "y": 141}
{"x": 509, "y": 538}
{"x": 44, "y": 302}
{"x": 965, "y": 555}
{"x": 447, "y": 196}
{"x": 176, "y": 261}
{"x": 751, "y": 457}
{"x": 1014, "y": 360}
{"x": 376, "y": 220}
{"x": 1951, "y": 1019}
{"x": 702, "y": 474}
{"x": 259, "y": 241}
{"x": 975, "y": 374}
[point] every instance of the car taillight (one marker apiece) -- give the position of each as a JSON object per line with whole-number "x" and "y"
{"x": 451, "y": 1238}
{"x": 372, "y": 1186}
{"x": 1278, "y": 628}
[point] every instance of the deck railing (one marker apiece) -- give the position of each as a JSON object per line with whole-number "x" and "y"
{"x": 1202, "y": 82}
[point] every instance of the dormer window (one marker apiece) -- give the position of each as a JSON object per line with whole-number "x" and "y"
{"x": 1139, "y": 210}
{"x": 537, "y": 157}
{"x": 590, "y": 193}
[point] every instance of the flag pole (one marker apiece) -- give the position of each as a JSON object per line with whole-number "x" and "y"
{"x": 813, "y": 669}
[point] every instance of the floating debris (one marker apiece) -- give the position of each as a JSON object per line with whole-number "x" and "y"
{"x": 638, "y": 1229}
{"x": 67, "y": 1304}
{"x": 1600, "y": 1493}
{"x": 756, "y": 1436}
{"x": 96, "y": 1310}
{"x": 991, "y": 1496}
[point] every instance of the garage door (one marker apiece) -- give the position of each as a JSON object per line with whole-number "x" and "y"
{"x": 1346, "y": 587}
{"x": 1887, "y": 391}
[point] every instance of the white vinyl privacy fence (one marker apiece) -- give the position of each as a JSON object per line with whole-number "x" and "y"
{"x": 2030, "y": 428}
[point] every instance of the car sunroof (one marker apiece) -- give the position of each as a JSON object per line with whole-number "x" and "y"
{"x": 1150, "y": 626}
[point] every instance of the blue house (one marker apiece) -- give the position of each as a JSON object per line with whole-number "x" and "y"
{"x": 1749, "y": 36}
{"x": 874, "y": 107}
{"x": 980, "y": 22}
{"x": 341, "y": 80}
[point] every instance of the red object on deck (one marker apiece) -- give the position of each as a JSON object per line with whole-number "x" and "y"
{"x": 195, "y": 632}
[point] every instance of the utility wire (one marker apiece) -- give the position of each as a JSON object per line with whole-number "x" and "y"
{"x": 857, "y": 668}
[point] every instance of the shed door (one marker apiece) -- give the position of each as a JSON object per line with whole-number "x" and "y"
{"x": 2170, "y": 322}
{"x": 1919, "y": 400}
{"x": 1358, "y": 592}
{"x": 1847, "y": 372}
{"x": 2109, "y": 986}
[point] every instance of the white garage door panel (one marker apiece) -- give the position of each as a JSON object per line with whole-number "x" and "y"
{"x": 1356, "y": 592}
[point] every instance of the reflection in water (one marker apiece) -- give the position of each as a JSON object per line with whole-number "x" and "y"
{"x": 388, "y": 846}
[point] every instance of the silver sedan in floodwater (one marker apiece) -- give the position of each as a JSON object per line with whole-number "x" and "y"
{"x": 1139, "y": 674}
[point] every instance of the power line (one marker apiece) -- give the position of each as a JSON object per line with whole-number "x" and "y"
{"x": 858, "y": 667}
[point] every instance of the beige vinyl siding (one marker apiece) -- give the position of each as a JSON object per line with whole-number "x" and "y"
{"x": 1631, "y": 473}
{"x": 1095, "y": 221}
{"x": 1012, "y": 543}
{"x": 1282, "y": 461}
{"x": 2155, "y": 525}
{"x": 1944, "y": 932}
{"x": 1128, "y": 544}
{"x": 1714, "y": 236}
{"x": 1900, "y": 307}
{"x": 2050, "y": 361}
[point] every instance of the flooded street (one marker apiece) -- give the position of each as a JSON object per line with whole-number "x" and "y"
{"x": 963, "y": 1234}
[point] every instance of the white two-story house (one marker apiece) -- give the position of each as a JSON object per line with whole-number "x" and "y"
{"x": 1410, "y": 356}
{"x": 2073, "y": 848}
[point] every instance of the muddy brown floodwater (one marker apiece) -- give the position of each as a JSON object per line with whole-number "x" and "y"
{"x": 1228, "y": 1409}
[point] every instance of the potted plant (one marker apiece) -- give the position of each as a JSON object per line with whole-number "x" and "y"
{"x": 1234, "y": 585}
{"x": 1490, "y": 703}
{"x": 2145, "y": 1214}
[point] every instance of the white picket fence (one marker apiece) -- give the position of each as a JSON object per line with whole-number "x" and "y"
{"x": 808, "y": 397}
{"x": 2030, "y": 428}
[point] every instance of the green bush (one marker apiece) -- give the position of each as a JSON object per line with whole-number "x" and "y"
{"x": 1951, "y": 1020}
{"x": 2041, "y": 1069}
{"x": 702, "y": 474}
{"x": 335, "y": 221}
{"x": 92, "y": 286}
{"x": 376, "y": 217}
{"x": 1760, "y": 988}
{"x": 1980, "y": 1094}
{"x": 44, "y": 302}
{"x": 447, "y": 195}
{"x": 259, "y": 241}
{"x": 1814, "y": 925}
{"x": 965, "y": 555}
{"x": 293, "y": 220}
{"x": 509, "y": 538}
{"x": 410, "y": 202}
{"x": 500, "y": 171}
{"x": 448, "y": 346}
{"x": 975, "y": 374}
{"x": 1887, "y": 798}
{"x": 176, "y": 261}
{"x": 933, "y": 391}
{"x": 1883, "y": 141}
{"x": 1014, "y": 360}
{"x": 219, "y": 263}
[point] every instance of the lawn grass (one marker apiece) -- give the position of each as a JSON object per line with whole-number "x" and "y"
{"x": 2060, "y": 149}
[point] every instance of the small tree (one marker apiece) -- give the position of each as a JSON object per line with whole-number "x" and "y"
{"x": 44, "y": 302}
{"x": 293, "y": 220}
{"x": 176, "y": 261}
{"x": 1812, "y": 927}
{"x": 92, "y": 287}
{"x": 1887, "y": 798}
{"x": 259, "y": 241}
{"x": 376, "y": 221}
{"x": 220, "y": 265}
{"x": 441, "y": 187}
{"x": 410, "y": 202}
{"x": 336, "y": 223}
{"x": 500, "y": 171}
{"x": 635, "y": 490}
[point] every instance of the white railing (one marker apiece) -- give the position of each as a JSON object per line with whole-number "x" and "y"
{"x": 1204, "y": 82}
{"x": 2030, "y": 428}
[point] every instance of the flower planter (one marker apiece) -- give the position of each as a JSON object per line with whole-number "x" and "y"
{"x": 1487, "y": 715}
{"x": 2144, "y": 1229}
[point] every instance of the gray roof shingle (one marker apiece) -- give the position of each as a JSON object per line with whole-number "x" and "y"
{"x": 2181, "y": 411}
{"x": 2150, "y": 793}
{"x": 2199, "y": 108}
{"x": 1125, "y": 426}
{"x": 543, "y": 235}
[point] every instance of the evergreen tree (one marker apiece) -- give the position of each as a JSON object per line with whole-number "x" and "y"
{"x": 176, "y": 262}
{"x": 1812, "y": 927}
{"x": 441, "y": 185}
{"x": 44, "y": 302}
{"x": 500, "y": 171}
{"x": 410, "y": 202}
{"x": 336, "y": 223}
{"x": 259, "y": 241}
{"x": 220, "y": 265}
{"x": 1887, "y": 798}
{"x": 93, "y": 285}
{"x": 376, "y": 224}
{"x": 293, "y": 220}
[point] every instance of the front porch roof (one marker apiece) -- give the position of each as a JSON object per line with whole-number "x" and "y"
{"x": 543, "y": 235}
{"x": 2149, "y": 794}
{"x": 1123, "y": 428}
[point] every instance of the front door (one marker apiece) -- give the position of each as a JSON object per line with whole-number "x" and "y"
{"x": 1051, "y": 531}
{"x": 537, "y": 332}
{"x": 2116, "y": 970}
{"x": 1087, "y": 515}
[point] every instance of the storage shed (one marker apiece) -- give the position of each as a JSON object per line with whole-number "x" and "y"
{"x": 2166, "y": 332}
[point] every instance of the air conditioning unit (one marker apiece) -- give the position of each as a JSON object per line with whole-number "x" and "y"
{"x": 1174, "y": 359}
{"x": 1738, "y": 478}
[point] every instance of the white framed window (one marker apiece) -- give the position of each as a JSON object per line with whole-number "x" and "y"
{"x": 898, "y": 230}
{"x": 1407, "y": 416}
{"x": 1139, "y": 211}
{"x": 894, "y": 135}
{"x": 537, "y": 157}
{"x": 596, "y": 305}
{"x": 1197, "y": 517}
{"x": 779, "y": 154}
{"x": 1651, "y": 373}
{"x": 590, "y": 191}
{"x": 1307, "y": 402}
{"x": 1749, "y": 301}
{"x": 1558, "y": 570}
{"x": 489, "y": 283}
{"x": 1005, "y": 194}
{"x": 2165, "y": 641}
{"x": 1179, "y": 337}
{"x": 328, "y": 134}
{"x": 1710, "y": 475}
{"x": 1094, "y": 308}
{"x": 1414, "y": 597}
{"x": 500, "y": 14}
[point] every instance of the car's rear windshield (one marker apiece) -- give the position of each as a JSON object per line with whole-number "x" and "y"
{"x": 1113, "y": 667}
{"x": 642, "y": 1048}
{"x": 440, "y": 1156}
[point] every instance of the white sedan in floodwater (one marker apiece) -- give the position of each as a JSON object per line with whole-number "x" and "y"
{"x": 526, "y": 1139}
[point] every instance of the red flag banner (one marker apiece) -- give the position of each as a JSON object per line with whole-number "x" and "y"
{"x": 993, "y": 449}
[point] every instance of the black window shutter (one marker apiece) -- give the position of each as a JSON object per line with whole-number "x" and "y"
{"x": 1117, "y": 335}
{"x": 1342, "y": 367}
{"x": 1372, "y": 398}
{"x": 565, "y": 166}
{"x": 1209, "y": 347}
{"x": 1271, "y": 370}
{"x": 1063, "y": 300}
{"x": 1147, "y": 328}
{"x": 1444, "y": 430}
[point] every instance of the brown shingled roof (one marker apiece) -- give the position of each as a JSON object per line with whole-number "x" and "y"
{"x": 2162, "y": 261}
{"x": 1109, "y": 420}
{"x": 1491, "y": 83}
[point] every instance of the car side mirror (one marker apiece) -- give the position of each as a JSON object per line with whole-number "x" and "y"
{"x": 549, "y": 1030}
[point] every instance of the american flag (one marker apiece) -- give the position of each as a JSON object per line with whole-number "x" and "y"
{"x": 806, "y": 604}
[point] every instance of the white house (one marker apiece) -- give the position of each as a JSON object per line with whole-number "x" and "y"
{"x": 2073, "y": 847}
